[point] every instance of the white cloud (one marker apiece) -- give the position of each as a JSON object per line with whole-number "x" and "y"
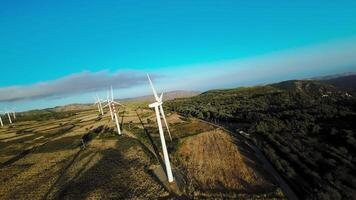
{"x": 72, "y": 85}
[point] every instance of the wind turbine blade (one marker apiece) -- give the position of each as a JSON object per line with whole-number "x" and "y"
{"x": 153, "y": 89}
{"x": 165, "y": 121}
{"x": 112, "y": 94}
{"x": 161, "y": 97}
{"x": 117, "y": 103}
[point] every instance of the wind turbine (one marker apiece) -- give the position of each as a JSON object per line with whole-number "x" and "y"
{"x": 159, "y": 99}
{"x": 111, "y": 103}
{"x": 159, "y": 112}
{"x": 13, "y": 112}
{"x": 109, "y": 100}
{"x": 98, "y": 101}
{"x": 8, "y": 115}
{"x": 2, "y": 124}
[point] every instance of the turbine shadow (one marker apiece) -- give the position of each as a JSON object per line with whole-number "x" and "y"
{"x": 122, "y": 119}
{"x": 154, "y": 146}
{"x": 62, "y": 173}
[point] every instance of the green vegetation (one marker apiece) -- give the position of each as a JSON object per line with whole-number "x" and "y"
{"x": 44, "y": 115}
{"x": 305, "y": 128}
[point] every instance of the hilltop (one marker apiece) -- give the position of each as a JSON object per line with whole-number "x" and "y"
{"x": 345, "y": 82}
{"x": 305, "y": 128}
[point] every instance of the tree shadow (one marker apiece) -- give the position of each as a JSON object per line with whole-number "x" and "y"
{"x": 16, "y": 158}
{"x": 65, "y": 143}
{"x": 63, "y": 172}
{"x": 21, "y": 140}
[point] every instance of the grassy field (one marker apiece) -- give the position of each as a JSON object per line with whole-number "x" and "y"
{"x": 214, "y": 164}
{"x": 81, "y": 156}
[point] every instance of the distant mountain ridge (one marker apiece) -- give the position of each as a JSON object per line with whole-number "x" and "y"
{"x": 344, "y": 82}
{"x": 167, "y": 96}
{"x": 333, "y": 76}
{"x": 316, "y": 85}
{"x": 71, "y": 107}
{"x": 342, "y": 85}
{"x": 305, "y": 86}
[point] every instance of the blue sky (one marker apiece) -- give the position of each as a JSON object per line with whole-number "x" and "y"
{"x": 48, "y": 46}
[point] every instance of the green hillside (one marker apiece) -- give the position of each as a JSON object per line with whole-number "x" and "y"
{"x": 305, "y": 128}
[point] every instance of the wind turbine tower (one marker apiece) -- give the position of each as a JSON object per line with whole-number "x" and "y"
{"x": 13, "y": 112}
{"x": 98, "y": 102}
{"x": 2, "y": 124}
{"x": 109, "y": 100}
{"x": 112, "y": 104}
{"x": 8, "y": 115}
{"x": 160, "y": 113}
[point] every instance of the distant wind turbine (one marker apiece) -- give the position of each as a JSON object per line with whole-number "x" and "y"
{"x": 13, "y": 112}
{"x": 1, "y": 123}
{"x": 159, "y": 112}
{"x": 8, "y": 115}
{"x": 109, "y": 100}
{"x": 98, "y": 102}
{"x": 111, "y": 103}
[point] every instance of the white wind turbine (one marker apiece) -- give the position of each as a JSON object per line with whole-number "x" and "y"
{"x": 108, "y": 100}
{"x": 98, "y": 102}
{"x": 160, "y": 113}
{"x": 1, "y": 123}
{"x": 111, "y": 103}
{"x": 13, "y": 112}
{"x": 8, "y": 115}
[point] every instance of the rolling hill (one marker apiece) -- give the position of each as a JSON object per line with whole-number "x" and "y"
{"x": 344, "y": 82}
{"x": 306, "y": 128}
{"x": 167, "y": 96}
{"x": 75, "y": 107}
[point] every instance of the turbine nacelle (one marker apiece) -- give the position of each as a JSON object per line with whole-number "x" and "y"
{"x": 155, "y": 104}
{"x": 160, "y": 98}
